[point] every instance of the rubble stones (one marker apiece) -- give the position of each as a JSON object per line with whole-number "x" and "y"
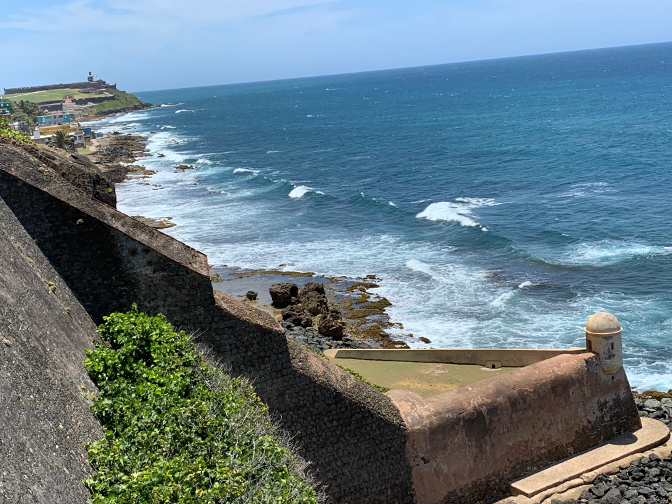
{"x": 313, "y": 339}
{"x": 647, "y": 481}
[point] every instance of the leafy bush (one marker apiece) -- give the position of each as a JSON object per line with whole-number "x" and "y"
{"x": 178, "y": 429}
{"x": 7, "y": 132}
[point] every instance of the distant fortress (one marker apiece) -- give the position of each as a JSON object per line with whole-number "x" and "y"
{"x": 89, "y": 84}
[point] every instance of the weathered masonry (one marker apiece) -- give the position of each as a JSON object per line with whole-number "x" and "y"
{"x": 365, "y": 446}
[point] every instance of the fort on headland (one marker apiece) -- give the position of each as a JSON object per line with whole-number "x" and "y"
{"x": 69, "y": 257}
{"x": 88, "y": 85}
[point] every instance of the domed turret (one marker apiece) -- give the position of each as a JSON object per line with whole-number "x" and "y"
{"x": 603, "y": 336}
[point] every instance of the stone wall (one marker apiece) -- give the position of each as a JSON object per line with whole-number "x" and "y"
{"x": 352, "y": 434}
{"x": 467, "y": 444}
{"x": 99, "y": 84}
{"x": 44, "y": 418}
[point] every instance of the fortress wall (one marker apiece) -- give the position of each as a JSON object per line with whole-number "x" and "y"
{"x": 467, "y": 444}
{"x": 353, "y": 434}
{"x": 44, "y": 419}
{"x": 99, "y": 84}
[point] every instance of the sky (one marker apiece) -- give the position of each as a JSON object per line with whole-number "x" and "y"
{"x": 144, "y": 45}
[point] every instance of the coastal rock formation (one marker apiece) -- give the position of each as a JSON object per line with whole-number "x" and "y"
{"x": 308, "y": 308}
{"x": 283, "y": 294}
{"x": 251, "y": 295}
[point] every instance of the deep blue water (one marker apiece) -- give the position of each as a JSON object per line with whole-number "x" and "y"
{"x": 501, "y": 202}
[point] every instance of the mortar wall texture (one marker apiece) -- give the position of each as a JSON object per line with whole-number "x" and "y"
{"x": 352, "y": 434}
{"x": 467, "y": 444}
{"x": 44, "y": 410}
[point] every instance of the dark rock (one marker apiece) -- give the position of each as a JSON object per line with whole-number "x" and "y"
{"x": 599, "y": 490}
{"x": 311, "y": 287}
{"x": 586, "y": 495}
{"x": 630, "y": 494}
{"x": 314, "y": 303}
{"x": 295, "y": 315}
{"x": 282, "y": 294}
{"x": 251, "y": 295}
{"x": 645, "y": 491}
{"x": 330, "y": 324}
{"x": 613, "y": 496}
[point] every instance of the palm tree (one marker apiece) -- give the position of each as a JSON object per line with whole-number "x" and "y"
{"x": 61, "y": 140}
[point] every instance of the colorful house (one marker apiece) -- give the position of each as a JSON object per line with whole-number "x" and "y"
{"x": 53, "y": 119}
{"x": 6, "y": 108}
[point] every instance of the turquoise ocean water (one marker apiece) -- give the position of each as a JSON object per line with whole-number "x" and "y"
{"x": 500, "y": 202}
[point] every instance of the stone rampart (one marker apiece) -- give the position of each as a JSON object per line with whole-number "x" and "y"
{"x": 467, "y": 444}
{"x": 44, "y": 418}
{"x": 352, "y": 434}
{"x": 99, "y": 84}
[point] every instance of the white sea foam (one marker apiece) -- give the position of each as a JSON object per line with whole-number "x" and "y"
{"x": 299, "y": 191}
{"x": 527, "y": 283}
{"x": 458, "y": 211}
{"x": 183, "y": 110}
{"x": 607, "y": 252}
{"x": 447, "y": 211}
{"x": 502, "y": 299}
{"x": 245, "y": 170}
{"x": 272, "y": 151}
{"x": 391, "y": 204}
{"x": 168, "y": 127}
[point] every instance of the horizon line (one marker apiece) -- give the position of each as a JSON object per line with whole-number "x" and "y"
{"x": 301, "y": 77}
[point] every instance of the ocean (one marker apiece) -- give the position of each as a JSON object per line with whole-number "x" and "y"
{"x": 501, "y": 203}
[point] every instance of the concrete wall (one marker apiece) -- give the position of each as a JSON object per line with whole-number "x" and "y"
{"x": 465, "y": 445}
{"x": 44, "y": 418}
{"x": 353, "y": 434}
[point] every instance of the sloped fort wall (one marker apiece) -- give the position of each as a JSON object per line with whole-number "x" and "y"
{"x": 366, "y": 447}
{"x": 353, "y": 435}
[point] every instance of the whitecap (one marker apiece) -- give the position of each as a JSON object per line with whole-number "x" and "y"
{"x": 272, "y": 151}
{"x": 527, "y": 283}
{"x": 458, "y": 211}
{"x": 447, "y": 211}
{"x": 169, "y": 127}
{"x": 392, "y": 204}
{"x": 245, "y": 170}
{"x": 183, "y": 110}
{"x": 502, "y": 299}
{"x": 299, "y": 191}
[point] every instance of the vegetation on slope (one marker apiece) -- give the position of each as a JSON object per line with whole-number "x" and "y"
{"x": 178, "y": 429}
{"x": 7, "y": 132}
{"x": 121, "y": 99}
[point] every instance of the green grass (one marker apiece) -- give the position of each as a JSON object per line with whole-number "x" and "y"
{"x": 179, "y": 429}
{"x": 50, "y": 95}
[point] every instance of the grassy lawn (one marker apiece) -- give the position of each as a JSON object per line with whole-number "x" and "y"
{"x": 51, "y": 95}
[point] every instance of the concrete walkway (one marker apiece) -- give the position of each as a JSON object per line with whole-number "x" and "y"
{"x": 423, "y": 378}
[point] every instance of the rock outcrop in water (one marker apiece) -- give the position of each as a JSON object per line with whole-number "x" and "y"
{"x": 308, "y": 308}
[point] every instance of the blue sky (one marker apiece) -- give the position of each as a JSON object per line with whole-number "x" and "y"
{"x": 160, "y": 44}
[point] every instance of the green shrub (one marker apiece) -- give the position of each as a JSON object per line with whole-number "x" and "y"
{"x": 178, "y": 429}
{"x": 7, "y": 132}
